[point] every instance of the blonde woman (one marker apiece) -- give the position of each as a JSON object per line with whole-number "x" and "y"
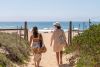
{"x": 35, "y": 40}
{"x": 59, "y": 40}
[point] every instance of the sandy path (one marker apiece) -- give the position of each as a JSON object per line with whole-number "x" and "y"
{"x": 48, "y": 58}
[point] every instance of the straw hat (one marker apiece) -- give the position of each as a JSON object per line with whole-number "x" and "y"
{"x": 56, "y": 24}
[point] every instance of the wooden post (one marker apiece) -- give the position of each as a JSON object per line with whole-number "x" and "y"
{"x": 73, "y": 30}
{"x": 70, "y": 33}
{"x": 89, "y": 23}
{"x": 25, "y": 31}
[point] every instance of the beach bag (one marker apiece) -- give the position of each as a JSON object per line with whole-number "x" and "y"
{"x": 43, "y": 49}
{"x": 36, "y": 51}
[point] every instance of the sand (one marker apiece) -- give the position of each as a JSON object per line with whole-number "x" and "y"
{"x": 49, "y": 58}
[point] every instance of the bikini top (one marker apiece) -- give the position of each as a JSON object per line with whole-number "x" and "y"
{"x": 36, "y": 39}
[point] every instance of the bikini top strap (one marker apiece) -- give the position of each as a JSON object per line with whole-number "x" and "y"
{"x": 37, "y": 37}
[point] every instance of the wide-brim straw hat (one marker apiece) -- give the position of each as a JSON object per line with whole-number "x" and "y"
{"x": 56, "y": 24}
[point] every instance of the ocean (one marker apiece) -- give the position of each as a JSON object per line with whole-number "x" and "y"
{"x": 46, "y": 25}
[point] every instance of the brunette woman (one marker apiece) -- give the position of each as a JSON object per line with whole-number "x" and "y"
{"x": 35, "y": 40}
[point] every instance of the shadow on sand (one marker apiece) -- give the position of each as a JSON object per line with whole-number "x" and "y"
{"x": 65, "y": 65}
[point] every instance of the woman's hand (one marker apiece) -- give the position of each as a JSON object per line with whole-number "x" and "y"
{"x": 66, "y": 45}
{"x": 51, "y": 44}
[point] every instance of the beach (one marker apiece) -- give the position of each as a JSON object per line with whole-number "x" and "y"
{"x": 49, "y": 58}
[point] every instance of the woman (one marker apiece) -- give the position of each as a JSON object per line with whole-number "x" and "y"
{"x": 59, "y": 42}
{"x": 35, "y": 40}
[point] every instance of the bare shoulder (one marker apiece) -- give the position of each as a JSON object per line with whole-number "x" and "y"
{"x": 40, "y": 34}
{"x": 31, "y": 36}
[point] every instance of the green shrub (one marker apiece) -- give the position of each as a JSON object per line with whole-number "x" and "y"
{"x": 88, "y": 43}
{"x": 16, "y": 46}
{"x": 4, "y": 61}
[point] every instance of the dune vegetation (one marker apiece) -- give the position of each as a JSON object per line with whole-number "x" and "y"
{"x": 88, "y": 45}
{"x": 13, "y": 50}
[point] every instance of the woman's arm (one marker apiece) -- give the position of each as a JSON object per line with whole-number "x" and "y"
{"x": 52, "y": 37}
{"x": 41, "y": 40}
{"x": 31, "y": 40}
{"x": 65, "y": 38}
{"x": 41, "y": 37}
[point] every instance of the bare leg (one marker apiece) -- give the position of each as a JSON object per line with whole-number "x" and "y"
{"x": 57, "y": 57}
{"x": 38, "y": 63}
{"x": 35, "y": 64}
{"x": 61, "y": 57}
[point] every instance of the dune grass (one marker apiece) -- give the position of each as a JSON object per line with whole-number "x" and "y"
{"x": 17, "y": 49}
{"x": 88, "y": 44}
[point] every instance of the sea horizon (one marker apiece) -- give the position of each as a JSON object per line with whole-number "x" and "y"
{"x": 47, "y": 25}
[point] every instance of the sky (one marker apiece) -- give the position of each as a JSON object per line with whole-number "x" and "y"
{"x": 49, "y": 10}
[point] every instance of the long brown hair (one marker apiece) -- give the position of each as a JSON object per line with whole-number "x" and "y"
{"x": 35, "y": 32}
